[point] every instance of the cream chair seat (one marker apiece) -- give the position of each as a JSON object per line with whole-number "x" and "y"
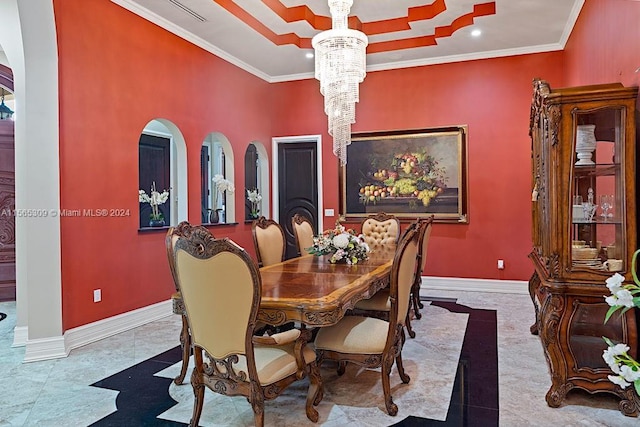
{"x": 221, "y": 290}
{"x": 380, "y": 302}
{"x": 372, "y": 342}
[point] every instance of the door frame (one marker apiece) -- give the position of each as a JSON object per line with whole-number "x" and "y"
{"x": 275, "y": 193}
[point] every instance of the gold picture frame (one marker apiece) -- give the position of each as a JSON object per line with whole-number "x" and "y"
{"x": 407, "y": 173}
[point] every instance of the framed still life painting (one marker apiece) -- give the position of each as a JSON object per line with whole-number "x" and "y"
{"x": 407, "y": 173}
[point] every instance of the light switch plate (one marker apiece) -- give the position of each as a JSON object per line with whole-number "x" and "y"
{"x": 329, "y": 212}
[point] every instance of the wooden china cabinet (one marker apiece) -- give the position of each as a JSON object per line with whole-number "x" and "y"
{"x": 584, "y": 230}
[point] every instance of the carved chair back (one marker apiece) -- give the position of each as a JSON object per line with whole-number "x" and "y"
{"x": 221, "y": 289}
{"x": 303, "y": 231}
{"x": 181, "y": 230}
{"x": 269, "y": 241}
{"x": 380, "y": 230}
{"x": 402, "y": 278}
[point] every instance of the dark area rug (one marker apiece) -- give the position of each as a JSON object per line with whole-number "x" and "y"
{"x": 474, "y": 401}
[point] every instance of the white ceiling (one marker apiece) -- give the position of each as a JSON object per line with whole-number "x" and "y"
{"x": 516, "y": 27}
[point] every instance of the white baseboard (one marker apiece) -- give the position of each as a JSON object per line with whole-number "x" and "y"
{"x": 474, "y": 285}
{"x": 92, "y": 332}
{"x": 52, "y": 348}
{"x": 20, "y": 336}
{"x": 45, "y": 349}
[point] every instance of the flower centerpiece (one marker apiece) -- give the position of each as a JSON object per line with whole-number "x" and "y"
{"x": 343, "y": 245}
{"x": 221, "y": 185}
{"x": 623, "y": 296}
{"x": 155, "y": 199}
{"x": 254, "y": 198}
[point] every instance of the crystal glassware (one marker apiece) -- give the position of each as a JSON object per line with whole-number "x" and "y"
{"x": 606, "y": 203}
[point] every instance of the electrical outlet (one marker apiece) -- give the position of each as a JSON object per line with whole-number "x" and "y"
{"x": 97, "y": 295}
{"x": 500, "y": 264}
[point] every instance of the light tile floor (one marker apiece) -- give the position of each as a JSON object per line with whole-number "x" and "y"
{"x": 58, "y": 392}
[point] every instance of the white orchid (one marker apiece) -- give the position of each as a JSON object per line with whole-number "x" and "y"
{"x": 254, "y": 198}
{"x": 609, "y": 355}
{"x": 629, "y": 374}
{"x": 614, "y": 283}
{"x": 155, "y": 199}
{"x": 221, "y": 185}
{"x": 625, "y": 297}
{"x": 618, "y": 380}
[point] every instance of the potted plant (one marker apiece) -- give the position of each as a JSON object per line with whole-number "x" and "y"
{"x": 221, "y": 185}
{"x": 155, "y": 199}
{"x": 254, "y": 198}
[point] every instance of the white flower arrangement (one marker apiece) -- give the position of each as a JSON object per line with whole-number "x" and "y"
{"x": 254, "y": 198}
{"x": 155, "y": 199}
{"x": 221, "y": 185}
{"x": 627, "y": 370}
{"x": 623, "y": 296}
{"x": 343, "y": 245}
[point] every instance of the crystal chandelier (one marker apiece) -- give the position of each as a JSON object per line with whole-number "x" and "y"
{"x": 340, "y": 66}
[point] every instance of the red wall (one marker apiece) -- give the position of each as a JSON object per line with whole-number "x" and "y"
{"x": 118, "y": 72}
{"x": 604, "y": 46}
{"x": 492, "y": 97}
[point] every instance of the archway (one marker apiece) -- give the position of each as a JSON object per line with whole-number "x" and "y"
{"x": 38, "y": 289}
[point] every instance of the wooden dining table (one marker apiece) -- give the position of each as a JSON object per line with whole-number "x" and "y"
{"x": 311, "y": 290}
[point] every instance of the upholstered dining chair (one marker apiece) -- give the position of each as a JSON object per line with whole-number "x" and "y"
{"x": 379, "y": 305}
{"x": 416, "y": 304}
{"x": 176, "y": 298}
{"x": 269, "y": 240}
{"x": 380, "y": 230}
{"x": 373, "y": 342}
{"x": 303, "y": 232}
{"x": 221, "y": 290}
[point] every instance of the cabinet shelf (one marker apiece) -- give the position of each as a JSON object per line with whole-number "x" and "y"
{"x": 602, "y": 169}
{"x": 599, "y": 221}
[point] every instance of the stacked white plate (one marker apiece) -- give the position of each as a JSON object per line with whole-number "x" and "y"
{"x": 593, "y": 263}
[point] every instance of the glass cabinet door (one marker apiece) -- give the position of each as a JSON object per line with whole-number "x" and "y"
{"x": 598, "y": 193}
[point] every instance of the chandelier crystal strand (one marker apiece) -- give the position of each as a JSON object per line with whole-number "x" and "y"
{"x": 340, "y": 66}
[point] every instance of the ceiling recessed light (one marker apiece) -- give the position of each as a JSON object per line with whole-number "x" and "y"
{"x": 309, "y": 55}
{"x": 476, "y": 33}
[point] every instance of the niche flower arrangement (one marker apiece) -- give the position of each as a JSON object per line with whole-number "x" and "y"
{"x": 254, "y": 197}
{"x": 343, "y": 245}
{"x": 221, "y": 185}
{"x": 623, "y": 296}
{"x": 155, "y": 199}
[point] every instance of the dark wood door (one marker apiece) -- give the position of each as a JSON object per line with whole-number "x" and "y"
{"x": 298, "y": 187}
{"x": 7, "y": 218}
{"x": 155, "y": 164}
